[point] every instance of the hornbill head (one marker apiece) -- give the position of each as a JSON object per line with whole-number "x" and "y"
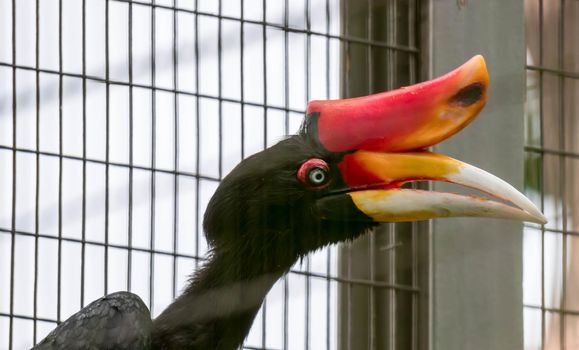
{"x": 343, "y": 172}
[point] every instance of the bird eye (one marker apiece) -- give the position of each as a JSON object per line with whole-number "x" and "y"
{"x": 314, "y": 173}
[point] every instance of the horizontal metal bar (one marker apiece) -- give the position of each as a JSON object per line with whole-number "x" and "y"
{"x": 369, "y": 283}
{"x": 247, "y": 347}
{"x": 543, "y": 150}
{"x": 104, "y": 162}
{"x": 552, "y": 230}
{"x": 345, "y": 38}
{"x": 148, "y": 87}
{"x": 29, "y": 318}
{"x": 361, "y": 282}
{"x": 101, "y": 244}
{"x": 559, "y": 72}
{"x": 553, "y": 310}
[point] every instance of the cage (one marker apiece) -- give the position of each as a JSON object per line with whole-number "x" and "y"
{"x": 119, "y": 118}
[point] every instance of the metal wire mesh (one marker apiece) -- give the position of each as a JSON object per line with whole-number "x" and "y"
{"x": 118, "y": 119}
{"x": 551, "y": 252}
{"x": 381, "y": 316}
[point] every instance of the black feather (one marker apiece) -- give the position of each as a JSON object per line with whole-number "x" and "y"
{"x": 117, "y": 321}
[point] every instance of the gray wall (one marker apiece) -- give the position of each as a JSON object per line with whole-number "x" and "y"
{"x": 476, "y": 282}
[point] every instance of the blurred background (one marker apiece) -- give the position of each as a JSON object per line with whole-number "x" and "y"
{"x": 118, "y": 119}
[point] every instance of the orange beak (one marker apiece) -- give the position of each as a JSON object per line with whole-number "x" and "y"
{"x": 383, "y": 138}
{"x": 410, "y": 118}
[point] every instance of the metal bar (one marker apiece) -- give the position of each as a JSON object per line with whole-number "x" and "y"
{"x": 116, "y": 164}
{"x": 286, "y": 28}
{"x": 24, "y": 317}
{"x": 552, "y": 230}
{"x": 561, "y": 311}
{"x": 176, "y": 146}
{"x": 198, "y": 134}
{"x": 557, "y": 152}
{"x": 372, "y": 238}
{"x": 102, "y": 244}
{"x": 60, "y": 160}
{"x": 37, "y": 175}
{"x": 392, "y": 234}
{"x": 83, "y": 214}
{"x": 412, "y": 75}
{"x": 131, "y": 155}
{"x": 264, "y": 70}
{"x": 345, "y": 92}
{"x": 329, "y": 249}
{"x": 256, "y": 348}
{"x": 14, "y": 164}
{"x": 307, "y": 94}
{"x": 541, "y": 95}
{"x": 562, "y": 171}
{"x": 353, "y": 281}
{"x": 286, "y": 104}
{"x": 265, "y": 114}
{"x": 107, "y": 143}
{"x": 219, "y": 89}
{"x": 153, "y": 88}
{"x": 560, "y": 72}
{"x": 153, "y": 161}
{"x": 242, "y": 76}
{"x": 392, "y": 293}
{"x": 286, "y": 64}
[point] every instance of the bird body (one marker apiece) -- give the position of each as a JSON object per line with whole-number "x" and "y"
{"x": 340, "y": 176}
{"x": 122, "y": 319}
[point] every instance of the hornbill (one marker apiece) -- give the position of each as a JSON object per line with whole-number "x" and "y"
{"x": 340, "y": 176}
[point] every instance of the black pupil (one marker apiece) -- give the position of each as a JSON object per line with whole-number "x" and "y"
{"x": 317, "y": 175}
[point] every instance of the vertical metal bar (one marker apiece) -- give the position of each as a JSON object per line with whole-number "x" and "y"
{"x": 107, "y": 143}
{"x": 176, "y": 149}
{"x": 198, "y": 135}
{"x": 285, "y": 312}
{"x": 372, "y": 292}
{"x": 131, "y": 156}
{"x": 392, "y": 292}
{"x": 541, "y": 60}
{"x": 37, "y": 175}
{"x": 372, "y": 238}
{"x": 153, "y": 159}
{"x": 349, "y": 296}
{"x": 412, "y": 10}
{"x": 345, "y": 92}
{"x": 220, "y": 88}
{"x": 242, "y": 76}
{"x": 264, "y": 56}
{"x": 415, "y": 314}
{"x": 14, "y": 146}
{"x": 307, "y": 96}
{"x": 329, "y": 249}
{"x": 60, "y": 159}
{"x": 83, "y": 214}
{"x": 369, "y": 47}
{"x": 391, "y": 56}
{"x": 286, "y": 62}
{"x": 265, "y": 119}
{"x": 562, "y": 171}
{"x": 286, "y": 104}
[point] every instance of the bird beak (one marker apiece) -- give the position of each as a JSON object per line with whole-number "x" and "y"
{"x": 383, "y": 137}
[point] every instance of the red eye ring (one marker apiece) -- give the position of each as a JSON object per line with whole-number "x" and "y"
{"x": 314, "y": 173}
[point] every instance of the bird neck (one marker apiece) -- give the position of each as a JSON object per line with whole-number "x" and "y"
{"x": 217, "y": 308}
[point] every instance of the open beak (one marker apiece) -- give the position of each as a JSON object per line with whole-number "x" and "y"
{"x": 383, "y": 137}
